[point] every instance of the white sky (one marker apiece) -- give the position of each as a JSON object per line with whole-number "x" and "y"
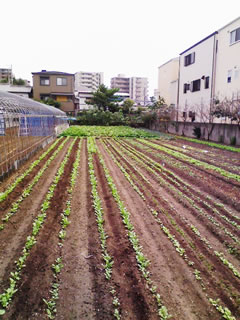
{"x": 132, "y": 37}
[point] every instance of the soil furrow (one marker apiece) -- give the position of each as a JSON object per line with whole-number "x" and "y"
{"x": 28, "y": 302}
{"x": 13, "y": 237}
{"x": 135, "y": 299}
{"x": 182, "y": 303}
{"x": 6, "y": 204}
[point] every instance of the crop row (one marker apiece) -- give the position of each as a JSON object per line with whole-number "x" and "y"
{"x": 142, "y": 260}
{"x": 58, "y": 265}
{"x": 6, "y": 296}
{"x": 223, "y": 259}
{"x": 203, "y": 155}
{"x": 27, "y": 191}
{"x": 108, "y": 260}
{"x": 181, "y": 252}
{"x": 156, "y": 169}
{"x": 195, "y": 162}
{"x": 191, "y": 173}
{"x": 19, "y": 179}
{"x": 210, "y": 144}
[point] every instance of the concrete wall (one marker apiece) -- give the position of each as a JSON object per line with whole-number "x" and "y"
{"x": 220, "y": 133}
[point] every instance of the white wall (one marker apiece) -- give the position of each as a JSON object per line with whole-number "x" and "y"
{"x": 202, "y": 67}
{"x": 228, "y": 58}
{"x": 167, "y": 75}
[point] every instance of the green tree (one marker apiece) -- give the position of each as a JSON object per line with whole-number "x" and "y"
{"x": 105, "y": 99}
{"x": 157, "y": 104}
{"x": 18, "y": 82}
{"x": 52, "y": 102}
{"x": 4, "y": 80}
{"x": 127, "y": 105}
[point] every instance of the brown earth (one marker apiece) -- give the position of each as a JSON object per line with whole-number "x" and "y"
{"x": 84, "y": 292}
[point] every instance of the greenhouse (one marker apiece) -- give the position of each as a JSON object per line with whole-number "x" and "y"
{"x": 25, "y": 126}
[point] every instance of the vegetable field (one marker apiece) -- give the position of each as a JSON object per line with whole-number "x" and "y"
{"x": 99, "y": 227}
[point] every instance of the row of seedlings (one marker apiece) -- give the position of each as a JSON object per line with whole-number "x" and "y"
{"x": 19, "y": 179}
{"x": 219, "y": 255}
{"x": 15, "y": 276}
{"x": 51, "y": 309}
{"x": 27, "y": 191}
{"x": 142, "y": 260}
{"x": 108, "y": 260}
{"x": 180, "y": 195}
{"x": 228, "y": 215}
{"x": 195, "y": 162}
{"x": 203, "y": 155}
{"x": 182, "y": 253}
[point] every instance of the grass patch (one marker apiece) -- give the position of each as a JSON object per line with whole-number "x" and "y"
{"x": 210, "y": 144}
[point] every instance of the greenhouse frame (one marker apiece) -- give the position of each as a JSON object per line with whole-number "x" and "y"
{"x": 25, "y": 126}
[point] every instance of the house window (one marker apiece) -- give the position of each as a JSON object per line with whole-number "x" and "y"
{"x": 186, "y": 87}
{"x": 196, "y": 85}
{"x": 229, "y": 77}
{"x": 189, "y": 59}
{"x": 61, "y": 81}
{"x": 44, "y": 81}
{"x": 235, "y": 36}
{"x": 206, "y": 82}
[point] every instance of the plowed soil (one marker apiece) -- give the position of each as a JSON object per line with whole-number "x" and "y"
{"x": 158, "y": 190}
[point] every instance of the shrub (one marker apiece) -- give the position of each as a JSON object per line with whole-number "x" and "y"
{"x": 221, "y": 139}
{"x": 100, "y": 118}
{"x": 197, "y": 132}
{"x": 233, "y": 141}
{"x": 148, "y": 118}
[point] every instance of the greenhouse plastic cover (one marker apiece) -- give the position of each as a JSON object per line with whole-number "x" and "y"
{"x": 12, "y": 103}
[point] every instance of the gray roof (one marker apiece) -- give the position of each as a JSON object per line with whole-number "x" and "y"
{"x": 12, "y": 103}
{"x": 43, "y": 72}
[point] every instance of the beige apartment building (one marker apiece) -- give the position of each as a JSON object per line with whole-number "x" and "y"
{"x": 56, "y": 85}
{"x": 168, "y": 81}
{"x": 135, "y": 88}
{"x": 6, "y": 74}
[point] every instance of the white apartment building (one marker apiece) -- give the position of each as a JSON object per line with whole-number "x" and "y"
{"x": 85, "y": 84}
{"x": 196, "y": 79}
{"x": 228, "y": 62}
{"x": 207, "y": 71}
{"x": 168, "y": 81}
{"x": 139, "y": 90}
{"x": 90, "y": 81}
{"x": 135, "y": 88}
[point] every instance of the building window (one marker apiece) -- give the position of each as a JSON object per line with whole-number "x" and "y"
{"x": 235, "y": 36}
{"x": 236, "y": 74}
{"x": 186, "y": 87}
{"x": 189, "y": 59}
{"x": 206, "y": 82}
{"x": 196, "y": 85}
{"x": 44, "y": 81}
{"x": 61, "y": 81}
{"x": 229, "y": 77}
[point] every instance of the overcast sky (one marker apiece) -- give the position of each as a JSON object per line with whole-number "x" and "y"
{"x": 133, "y": 37}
